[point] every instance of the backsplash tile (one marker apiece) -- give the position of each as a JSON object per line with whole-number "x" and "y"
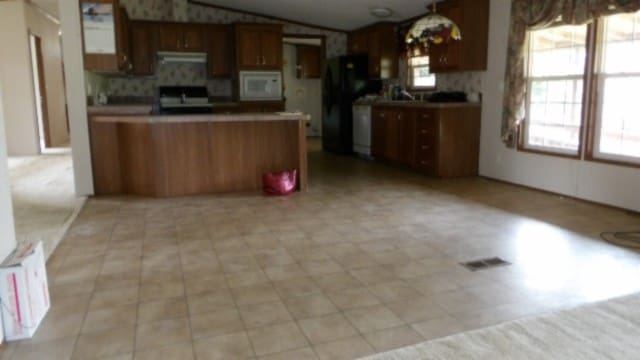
{"x": 469, "y": 82}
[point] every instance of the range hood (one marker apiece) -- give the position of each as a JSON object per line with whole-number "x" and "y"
{"x": 182, "y": 57}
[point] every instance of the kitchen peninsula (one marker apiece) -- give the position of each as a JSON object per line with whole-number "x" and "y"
{"x": 179, "y": 155}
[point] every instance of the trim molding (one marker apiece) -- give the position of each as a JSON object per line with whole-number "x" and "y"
{"x": 277, "y": 18}
{"x": 630, "y": 212}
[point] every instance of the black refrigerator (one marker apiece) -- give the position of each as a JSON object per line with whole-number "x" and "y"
{"x": 346, "y": 79}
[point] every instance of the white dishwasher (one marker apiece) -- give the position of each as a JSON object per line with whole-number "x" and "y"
{"x": 362, "y": 129}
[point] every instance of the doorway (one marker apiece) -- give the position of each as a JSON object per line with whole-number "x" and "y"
{"x": 304, "y": 58}
{"x": 40, "y": 93}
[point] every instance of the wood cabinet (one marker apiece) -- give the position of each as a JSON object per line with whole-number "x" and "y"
{"x": 143, "y": 51}
{"x": 470, "y": 53}
{"x": 106, "y": 50}
{"x": 391, "y": 127}
{"x": 181, "y": 37}
{"x": 378, "y": 41}
{"x": 219, "y": 51}
{"x": 438, "y": 141}
{"x": 308, "y": 62}
{"x": 258, "y": 46}
{"x": 261, "y": 106}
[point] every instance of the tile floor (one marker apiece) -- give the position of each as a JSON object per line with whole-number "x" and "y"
{"x": 366, "y": 261}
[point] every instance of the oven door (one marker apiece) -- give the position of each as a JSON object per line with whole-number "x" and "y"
{"x": 260, "y": 86}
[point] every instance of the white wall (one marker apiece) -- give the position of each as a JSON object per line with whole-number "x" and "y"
{"x": 607, "y": 184}
{"x": 302, "y": 94}
{"x": 76, "y": 95}
{"x": 7, "y": 227}
{"x": 15, "y": 71}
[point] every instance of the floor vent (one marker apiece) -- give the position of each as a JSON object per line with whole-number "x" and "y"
{"x": 485, "y": 263}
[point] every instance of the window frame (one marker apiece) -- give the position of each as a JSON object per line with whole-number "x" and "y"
{"x": 596, "y": 84}
{"x": 549, "y": 151}
{"x": 410, "y": 82}
{"x": 591, "y": 105}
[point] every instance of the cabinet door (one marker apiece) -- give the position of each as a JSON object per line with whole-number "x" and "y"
{"x": 358, "y": 42}
{"x": 124, "y": 44}
{"x": 219, "y": 52}
{"x": 378, "y": 132}
{"x": 193, "y": 39}
{"x": 248, "y": 49}
{"x": 308, "y": 62}
{"x": 374, "y": 53}
{"x": 406, "y": 131}
{"x": 426, "y": 142}
{"x": 271, "y": 41}
{"x": 170, "y": 37}
{"x": 143, "y": 54}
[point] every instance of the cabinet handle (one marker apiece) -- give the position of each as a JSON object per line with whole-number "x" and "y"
{"x": 425, "y": 116}
{"x": 381, "y": 115}
{"x": 446, "y": 60}
{"x": 423, "y": 131}
{"x": 423, "y": 162}
{"x": 264, "y": 60}
{"x": 425, "y": 147}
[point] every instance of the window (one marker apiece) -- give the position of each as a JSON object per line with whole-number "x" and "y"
{"x": 419, "y": 75}
{"x": 556, "y": 65}
{"x": 617, "y": 119}
{"x": 563, "y": 64}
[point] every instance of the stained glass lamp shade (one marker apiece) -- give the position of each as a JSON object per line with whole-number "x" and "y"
{"x": 431, "y": 29}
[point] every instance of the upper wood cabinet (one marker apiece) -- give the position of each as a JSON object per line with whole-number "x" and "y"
{"x": 470, "y": 53}
{"x": 180, "y": 37}
{"x": 378, "y": 41}
{"x": 258, "y": 46}
{"x": 143, "y": 50}
{"x": 308, "y": 62}
{"x": 105, "y": 36}
{"x": 219, "y": 51}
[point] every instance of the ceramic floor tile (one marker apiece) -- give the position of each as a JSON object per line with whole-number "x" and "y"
{"x": 389, "y": 339}
{"x": 277, "y": 338}
{"x": 310, "y": 306}
{"x": 306, "y": 353}
{"x": 372, "y": 318}
{"x": 353, "y": 298}
{"x": 206, "y": 302}
{"x": 108, "y": 318}
{"x": 301, "y": 286}
{"x": 100, "y": 344}
{"x": 327, "y": 328}
{"x": 182, "y": 351}
{"x": 162, "y": 333}
{"x": 216, "y": 323}
{"x": 255, "y": 294}
{"x": 223, "y": 347}
{"x": 264, "y": 314}
{"x": 345, "y": 349}
{"x": 438, "y": 327}
{"x": 163, "y": 309}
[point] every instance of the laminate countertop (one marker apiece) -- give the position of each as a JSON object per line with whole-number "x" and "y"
{"x": 128, "y": 109}
{"x": 426, "y": 104}
{"x": 161, "y": 119}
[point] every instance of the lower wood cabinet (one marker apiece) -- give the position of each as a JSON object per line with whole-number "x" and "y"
{"x": 441, "y": 141}
{"x": 261, "y": 106}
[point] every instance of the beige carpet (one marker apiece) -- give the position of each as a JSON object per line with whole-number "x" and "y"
{"x": 43, "y": 194}
{"x": 605, "y": 330}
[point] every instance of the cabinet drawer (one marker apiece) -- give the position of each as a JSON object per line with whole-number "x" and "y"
{"x": 426, "y": 123}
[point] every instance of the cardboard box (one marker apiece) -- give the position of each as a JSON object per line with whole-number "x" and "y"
{"x": 24, "y": 292}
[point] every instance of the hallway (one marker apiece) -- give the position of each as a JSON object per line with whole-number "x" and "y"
{"x": 44, "y": 201}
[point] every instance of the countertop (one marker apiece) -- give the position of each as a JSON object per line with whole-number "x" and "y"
{"x": 426, "y": 104}
{"x": 159, "y": 119}
{"x": 124, "y": 109}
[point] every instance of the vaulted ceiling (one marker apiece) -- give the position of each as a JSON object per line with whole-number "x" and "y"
{"x": 337, "y": 14}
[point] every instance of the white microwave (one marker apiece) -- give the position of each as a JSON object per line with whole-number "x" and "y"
{"x": 260, "y": 85}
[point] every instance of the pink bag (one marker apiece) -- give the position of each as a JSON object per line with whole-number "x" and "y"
{"x": 280, "y": 183}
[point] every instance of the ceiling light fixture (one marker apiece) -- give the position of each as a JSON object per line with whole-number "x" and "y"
{"x": 430, "y": 29}
{"x": 381, "y": 12}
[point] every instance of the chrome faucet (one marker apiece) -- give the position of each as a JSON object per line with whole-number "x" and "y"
{"x": 407, "y": 94}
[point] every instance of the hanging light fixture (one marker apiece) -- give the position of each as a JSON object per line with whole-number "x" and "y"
{"x": 430, "y": 29}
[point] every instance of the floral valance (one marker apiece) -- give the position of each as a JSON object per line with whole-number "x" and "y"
{"x": 539, "y": 14}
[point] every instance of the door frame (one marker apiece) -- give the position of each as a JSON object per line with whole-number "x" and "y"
{"x": 40, "y": 91}
{"x": 323, "y": 61}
